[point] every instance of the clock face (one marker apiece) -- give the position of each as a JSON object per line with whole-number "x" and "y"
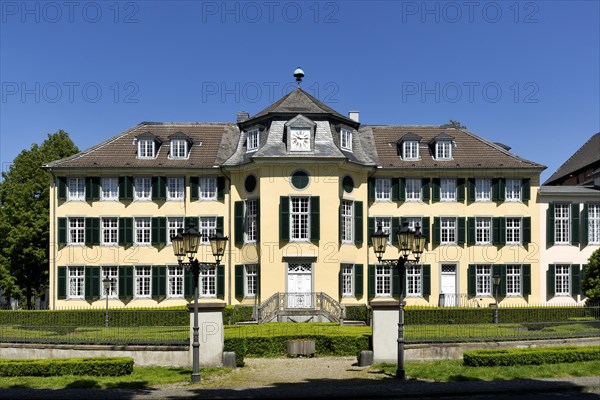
{"x": 300, "y": 140}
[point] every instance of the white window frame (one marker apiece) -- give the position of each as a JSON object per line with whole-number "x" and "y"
{"x": 562, "y": 223}
{"x": 347, "y": 210}
{"x": 593, "y": 223}
{"x": 413, "y": 189}
{"x": 483, "y": 230}
{"x": 347, "y": 280}
{"x": 142, "y": 231}
{"x": 76, "y": 189}
{"x": 207, "y": 228}
{"x": 513, "y": 230}
{"x": 175, "y": 281}
{"x": 562, "y": 280}
{"x": 175, "y": 189}
{"x": 173, "y": 225}
{"x": 346, "y": 139}
{"x": 514, "y": 280}
{"x": 448, "y": 189}
{"x": 383, "y": 189}
{"x": 443, "y": 150}
{"x": 143, "y": 281}
{"x": 512, "y": 190}
{"x": 383, "y": 280}
{"x": 146, "y": 148}
{"x": 483, "y": 189}
{"x": 76, "y": 282}
{"x": 386, "y": 226}
{"x": 299, "y": 218}
{"x": 109, "y": 189}
{"x": 414, "y": 281}
{"x": 208, "y": 282}
{"x": 252, "y": 140}
{"x": 109, "y": 229}
{"x": 448, "y": 229}
{"x": 207, "y": 188}
{"x": 250, "y": 280}
{"x": 178, "y": 149}
{"x": 113, "y": 289}
{"x": 251, "y": 221}
{"x": 76, "y": 230}
{"x": 483, "y": 280}
{"x": 142, "y": 188}
{"x": 410, "y": 150}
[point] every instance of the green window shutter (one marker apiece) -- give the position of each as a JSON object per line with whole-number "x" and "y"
{"x": 499, "y": 230}
{"x": 437, "y": 226}
{"x": 461, "y": 234}
{"x": 435, "y": 189}
{"x": 125, "y": 282}
{"x": 92, "y": 283}
{"x": 61, "y": 182}
{"x": 358, "y": 280}
{"x": 425, "y": 184}
{"x": 340, "y": 223}
{"x": 471, "y": 280}
{"x": 501, "y": 270}
{"x": 371, "y": 281}
{"x": 575, "y": 223}
{"x": 125, "y": 188}
{"x": 551, "y": 280}
{"x": 526, "y": 230}
{"x": 471, "y": 230}
{"x": 526, "y": 189}
{"x": 159, "y": 282}
{"x": 550, "y": 225}
{"x": 396, "y": 283}
{"x": 221, "y": 225}
{"x": 125, "y": 231}
{"x": 582, "y": 276}
{"x": 370, "y": 229}
{"x": 585, "y": 225}
{"x": 315, "y": 227}
{"x": 188, "y": 284}
{"x": 460, "y": 190}
{"x": 526, "y": 290}
{"x": 395, "y": 228}
{"x": 92, "y": 188}
{"x": 220, "y": 282}
{"x": 471, "y": 189}
{"x": 495, "y": 189}
{"x": 426, "y": 280}
{"x": 401, "y": 189}
{"x": 358, "y": 222}
{"x": 61, "y": 283}
{"x": 238, "y": 217}
{"x": 501, "y": 189}
{"x": 194, "y": 183}
{"x": 62, "y": 231}
{"x": 239, "y": 281}
{"x": 575, "y": 279}
{"x": 341, "y": 281}
{"x": 189, "y": 221}
{"x": 395, "y": 189}
{"x": 159, "y": 190}
{"x": 425, "y": 230}
{"x": 220, "y": 188}
{"x": 371, "y": 189}
{"x": 284, "y": 218}
{"x": 92, "y": 231}
{"x": 159, "y": 231}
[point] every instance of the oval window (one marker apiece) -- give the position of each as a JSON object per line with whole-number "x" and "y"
{"x": 250, "y": 183}
{"x": 348, "y": 184}
{"x": 300, "y": 179}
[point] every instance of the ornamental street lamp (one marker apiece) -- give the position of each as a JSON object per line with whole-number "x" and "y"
{"x": 186, "y": 244}
{"x": 107, "y": 283}
{"x": 409, "y": 241}
{"x": 496, "y": 278}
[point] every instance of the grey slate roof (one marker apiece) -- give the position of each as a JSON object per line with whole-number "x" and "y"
{"x": 549, "y": 190}
{"x": 587, "y": 155}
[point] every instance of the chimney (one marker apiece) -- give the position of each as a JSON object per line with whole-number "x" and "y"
{"x": 242, "y": 116}
{"x": 353, "y": 115}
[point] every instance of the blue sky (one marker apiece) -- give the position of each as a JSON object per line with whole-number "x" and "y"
{"x": 522, "y": 73}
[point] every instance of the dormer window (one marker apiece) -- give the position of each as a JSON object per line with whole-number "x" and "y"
{"x": 346, "y": 139}
{"x": 410, "y": 150}
{"x": 252, "y": 140}
{"x": 443, "y": 150}
{"x": 300, "y": 135}
{"x": 300, "y": 139}
{"x": 146, "y": 148}
{"x": 179, "y": 148}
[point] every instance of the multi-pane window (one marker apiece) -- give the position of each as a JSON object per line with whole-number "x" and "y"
{"x": 175, "y": 189}
{"x": 76, "y": 282}
{"x": 110, "y": 231}
{"x": 561, "y": 223}
{"x": 299, "y": 218}
{"x": 251, "y": 221}
{"x": 448, "y": 189}
{"x": 146, "y": 148}
{"x": 593, "y": 223}
{"x": 513, "y": 230}
{"x": 413, "y": 280}
{"x": 513, "y": 190}
{"x": 347, "y": 221}
{"x": 76, "y": 188}
{"x": 179, "y": 148}
{"x": 76, "y": 230}
{"x": 142, "y": 188}
{"x": 448, "y": 230}
{"x": 383, "y": 280}
{"x": 143, "y": 280}
{"x": 110, "y": 189}
{"x": 413, "y": 222}
{"x": 252, "y": 143}
{"x": 483, "y": 280}
{"x": 443, "y": 150}
{"x": 386, "y": 226}
{"x": 347, "y": 280}
{"x": 208, "y": 189}
{"x": 562, "y": 280}
{"x": 175, "y": 281}
{"x": 346, "y": 139}
{"x": 207, "y": 228}
{"x": 383, "y": 189}
{"x": 111, "y": 273}
{"x": 251, "y": 281}
{"x": 173, "y": 226}
{"x": 513, "y": 280}
{"x": 413, "y": 189}
{"x": 483, "y": 230}
{"x": 208, "y": 282}
{"x": 410, "y": 150}
{"x": 142, "y": 230}
{"x": 483, "y": 189}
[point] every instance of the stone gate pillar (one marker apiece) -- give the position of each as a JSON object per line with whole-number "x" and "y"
{"x": 385, "y": 331}
{"x": 212, "y": 335}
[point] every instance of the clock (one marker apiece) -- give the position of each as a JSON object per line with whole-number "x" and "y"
{"x": 300, "y": 140}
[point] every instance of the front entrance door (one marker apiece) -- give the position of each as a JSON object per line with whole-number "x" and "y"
{"x": 448, "y": 292}
{"x": 299, "y": 287}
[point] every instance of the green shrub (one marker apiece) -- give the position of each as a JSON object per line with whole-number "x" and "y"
{"x": 237, "y": 345}
{"x": 360, "y": 312}
{"x": 530, "y": 356}
{"x": 100, "y": 366}
{"x": 235, "y": 314}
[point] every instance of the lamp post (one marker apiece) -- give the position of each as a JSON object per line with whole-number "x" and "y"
{"x": 496, "y": 278}
{"x": 106, "y": 282}
{"x": 409, "y": 241}
{"x": 186, "y": 243}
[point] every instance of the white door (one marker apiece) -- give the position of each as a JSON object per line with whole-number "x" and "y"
{"x": 299, "y": 288}
{"x": 448, "y": 285}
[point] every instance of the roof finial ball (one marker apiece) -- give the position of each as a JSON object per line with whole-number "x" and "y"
{"x": 298, "y": 74}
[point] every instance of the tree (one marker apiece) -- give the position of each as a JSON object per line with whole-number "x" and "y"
{"x": 24, "y": 218}
{"x": 591, "y": 281}
{"x": 453, "y": 124}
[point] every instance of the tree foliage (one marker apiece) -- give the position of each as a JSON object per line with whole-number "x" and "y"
{"x": 24, "y": 218}
{"x": 591, "y": 281}
{"x": 453, "y": 124}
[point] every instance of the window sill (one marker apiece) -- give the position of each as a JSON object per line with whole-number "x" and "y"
{"x": 142, "y": 200}
{"x": 175, "y": 199}
{"x": 109, "y": 244}
{"x": 76, "y": 244}
{"x": 108, "y": 200}
{"x": 143, "y": 244}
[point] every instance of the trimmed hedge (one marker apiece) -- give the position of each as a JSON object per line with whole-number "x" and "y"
{"x": 530, "y": 356}
{"x": 100, "y": 366}
{"x": 235, "y": 314}
{"x": 360, "y": 312}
